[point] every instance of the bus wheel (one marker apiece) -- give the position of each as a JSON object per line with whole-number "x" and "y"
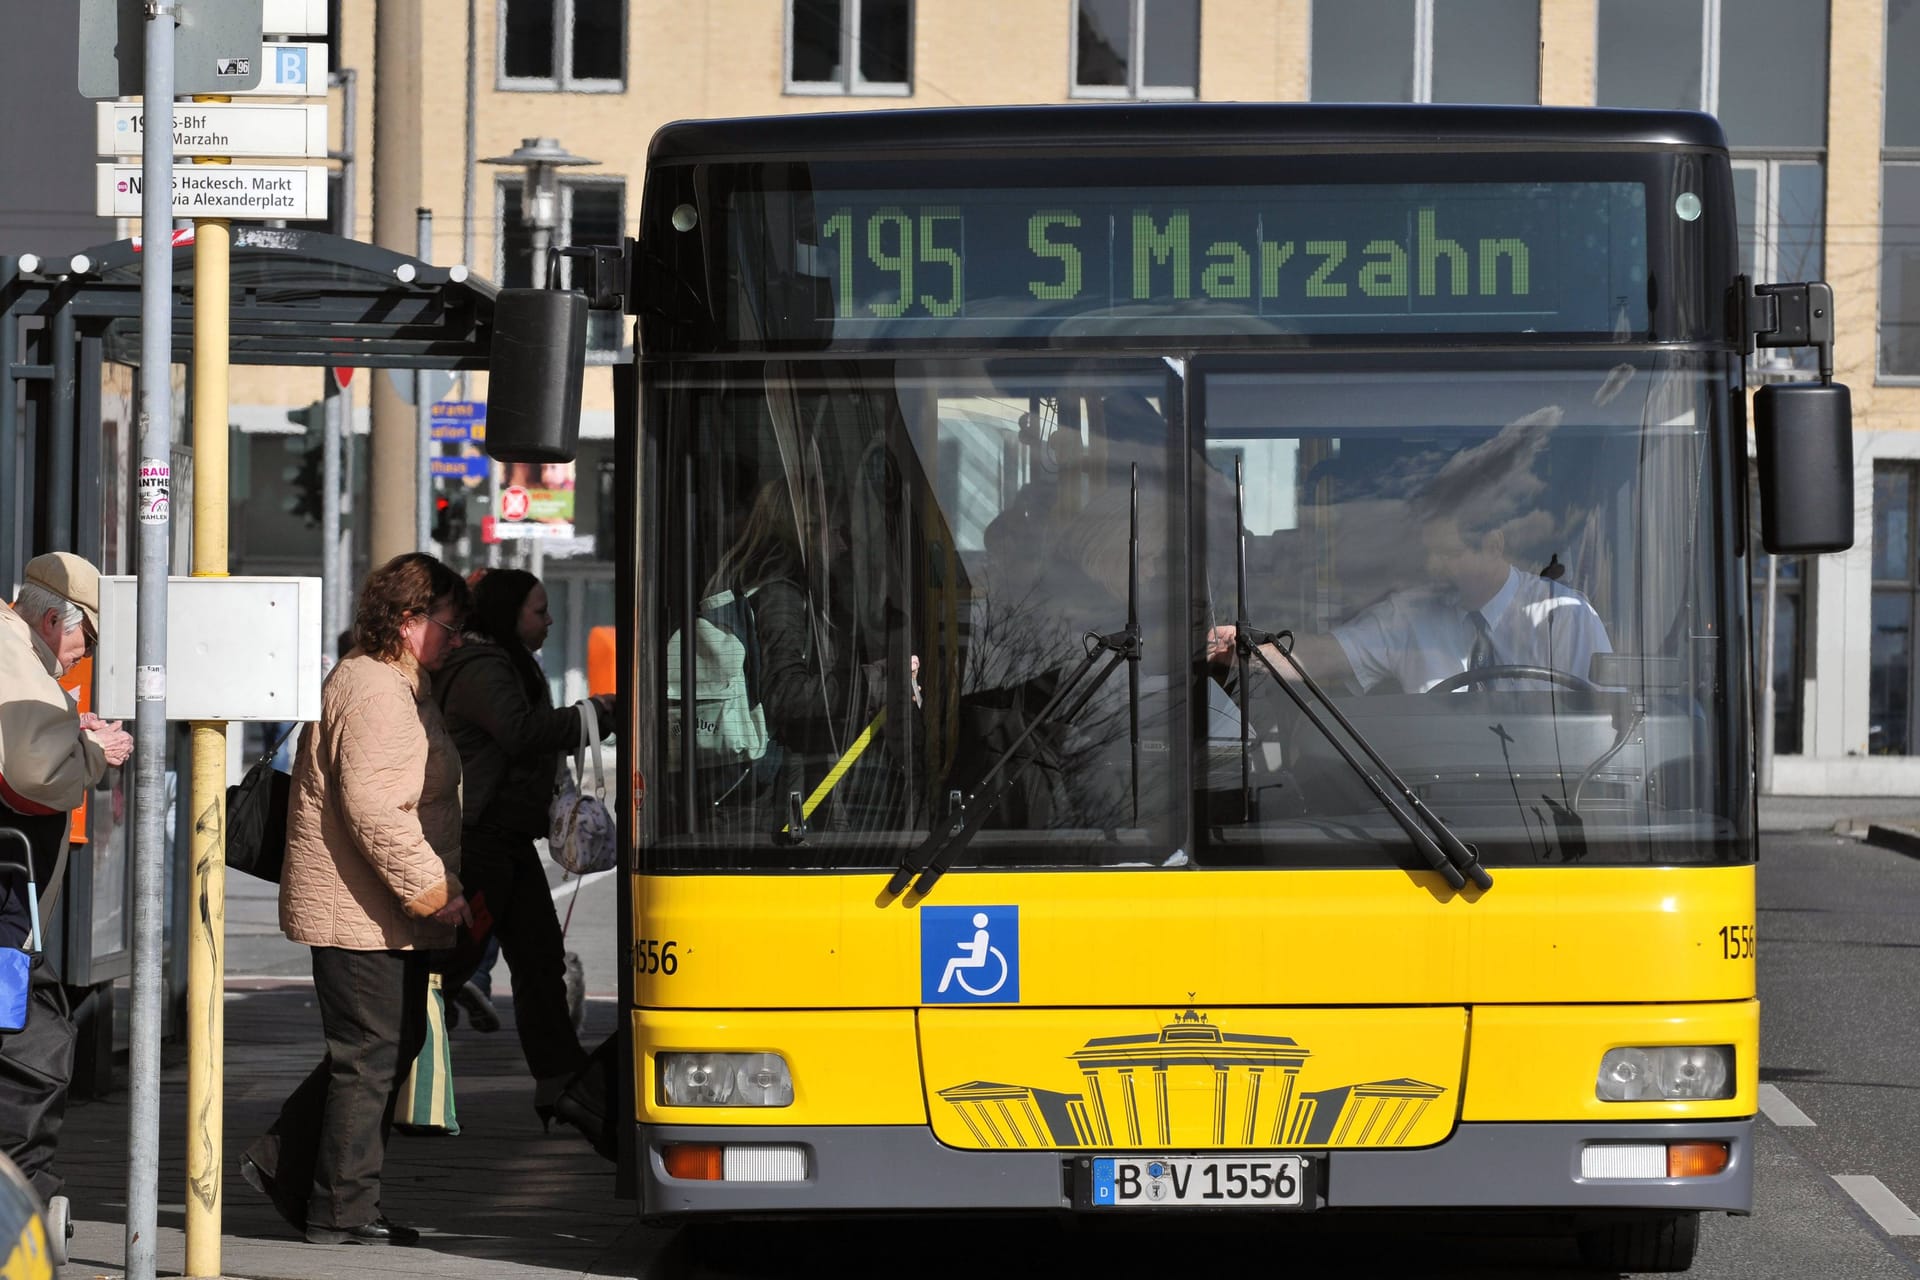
{"x": 1662, "y": 1243}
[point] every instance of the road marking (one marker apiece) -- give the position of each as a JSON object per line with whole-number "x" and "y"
{"x": 1777, "y": 1108}
{"x": 1881, "y": 1205}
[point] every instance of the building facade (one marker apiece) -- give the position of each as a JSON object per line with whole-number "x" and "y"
{"x": 1827, "y": 156}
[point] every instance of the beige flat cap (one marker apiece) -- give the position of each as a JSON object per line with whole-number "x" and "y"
{"x": 72, "y": 579}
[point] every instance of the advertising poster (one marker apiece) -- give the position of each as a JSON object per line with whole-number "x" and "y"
{"x": 536, "y": 500}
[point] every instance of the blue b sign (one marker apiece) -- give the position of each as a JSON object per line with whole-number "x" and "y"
{"x": 970, "y": 955}
{"x": 289, "y": 64}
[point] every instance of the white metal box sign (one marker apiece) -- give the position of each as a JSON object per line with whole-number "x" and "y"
{"x": 237, "y": 649}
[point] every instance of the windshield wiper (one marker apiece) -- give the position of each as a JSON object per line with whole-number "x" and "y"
{"x": 1444, "y": 851}
{"x": 931, "y": 860}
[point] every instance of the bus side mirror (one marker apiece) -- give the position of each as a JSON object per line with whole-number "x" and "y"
{"x": 1805, "y": 435}
{"x": 533, "y": 380}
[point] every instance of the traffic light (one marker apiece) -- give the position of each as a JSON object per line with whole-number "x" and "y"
{"x": 449, "y": 517}
{"x": 304, "y": 477}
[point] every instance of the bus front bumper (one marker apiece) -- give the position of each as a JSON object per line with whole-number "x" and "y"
{"x": 904, "y": 1168}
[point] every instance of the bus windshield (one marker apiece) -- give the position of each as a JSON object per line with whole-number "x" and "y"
{"x": 892, "y": 567}
{"x": 1503, "y": 578}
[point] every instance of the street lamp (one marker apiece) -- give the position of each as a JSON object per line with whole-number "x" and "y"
{"x": 540, "y": 160}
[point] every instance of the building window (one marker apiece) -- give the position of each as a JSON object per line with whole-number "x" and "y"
{"x": 1900, "y": 201}
{"x": 1789, "y": 631}
{"x": 850, "y": 46}
{"x": 1425, "y": 51}
{"x": 1900, "y": 271}
{"x": 1136, "y": 49}
{"x": 1760, "y": 65}
{"x": 590, "y": 213}
{"x": 1896, "y": 589}
{"x": 1782, "y": 215}
{"x": 574, "y": 45}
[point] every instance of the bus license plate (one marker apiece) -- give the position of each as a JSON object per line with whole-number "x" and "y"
{"x": 1202, "y": 1182}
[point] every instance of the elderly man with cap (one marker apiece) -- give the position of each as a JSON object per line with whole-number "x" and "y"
{"x": 50, "y": 755}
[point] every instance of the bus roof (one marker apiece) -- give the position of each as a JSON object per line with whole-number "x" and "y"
{"x": 1188, "y": 126}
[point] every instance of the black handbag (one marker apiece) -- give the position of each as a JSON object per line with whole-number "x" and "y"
{"x": 257, "y": 818}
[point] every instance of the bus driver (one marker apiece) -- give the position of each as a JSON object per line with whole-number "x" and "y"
{"x": 1477, "y": 610}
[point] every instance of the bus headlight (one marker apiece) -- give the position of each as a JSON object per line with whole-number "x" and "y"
{"x": 762, "y": 1080}
{"x": 725, "y": 1080}
{"x": 1664, "y": 1073}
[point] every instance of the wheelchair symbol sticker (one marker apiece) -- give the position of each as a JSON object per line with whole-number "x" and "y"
{"x": 970, "y": 955}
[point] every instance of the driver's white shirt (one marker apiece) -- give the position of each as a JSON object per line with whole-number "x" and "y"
{"x": 1421, "y": 636}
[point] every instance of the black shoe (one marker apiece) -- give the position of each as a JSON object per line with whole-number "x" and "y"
{"x": 546, "y": 1092}
{"x": 262, "y": 1181}
{"x": 257, "y": 1178}
{"x": 578, "y": 1107}
{"x": 474, "y": 1002}
{"x": 379, "y": 1231}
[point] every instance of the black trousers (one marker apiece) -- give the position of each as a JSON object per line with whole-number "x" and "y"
{"x": 507, "y": 889}
{"x": 325, "y": 1150}
{"x": 36, "y": 1063}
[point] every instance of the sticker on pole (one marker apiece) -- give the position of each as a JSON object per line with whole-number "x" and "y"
{"x": 152, "y": 495}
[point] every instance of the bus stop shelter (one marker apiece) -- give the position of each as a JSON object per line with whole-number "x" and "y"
{"x": 298, "y": 298}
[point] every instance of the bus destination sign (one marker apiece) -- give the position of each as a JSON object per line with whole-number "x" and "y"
{"x": 1558, "y": 258}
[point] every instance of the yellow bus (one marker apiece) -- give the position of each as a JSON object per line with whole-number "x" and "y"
{"x": 1192, "y": 658}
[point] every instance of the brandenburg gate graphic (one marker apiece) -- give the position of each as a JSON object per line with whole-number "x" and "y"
{"x": 1192, "y": 1084}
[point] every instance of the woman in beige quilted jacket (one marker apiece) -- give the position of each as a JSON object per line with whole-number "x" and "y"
{"x": 372, "y": 884}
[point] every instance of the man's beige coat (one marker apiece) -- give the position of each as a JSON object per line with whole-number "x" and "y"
{"x": 46, "y": 759}
{"x": 373, "y": 827}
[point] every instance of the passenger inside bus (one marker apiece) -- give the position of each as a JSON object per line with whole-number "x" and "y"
{"x": 785, "y": 687}
{"x": 760, "y": 594}
{"x": 1054, "y": 580}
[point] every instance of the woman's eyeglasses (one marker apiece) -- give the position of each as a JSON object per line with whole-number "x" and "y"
{"x": 447, "y": 627}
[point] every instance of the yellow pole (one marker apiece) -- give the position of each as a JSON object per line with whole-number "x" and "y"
{"x": 206, "y": 935}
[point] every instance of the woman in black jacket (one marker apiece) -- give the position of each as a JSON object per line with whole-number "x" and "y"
{"x": 511, "y": 738}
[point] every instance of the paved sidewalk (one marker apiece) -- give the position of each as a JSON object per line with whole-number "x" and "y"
{"x": 502, "y": 1199}
{"x": 1831, "y": 813}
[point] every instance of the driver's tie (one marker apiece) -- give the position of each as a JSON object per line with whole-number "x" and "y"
{"x": 1482, "y": 655}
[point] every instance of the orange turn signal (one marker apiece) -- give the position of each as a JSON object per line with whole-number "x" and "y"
{"x": 696, "y": 1161}
{"x": 1696, "y": 1159}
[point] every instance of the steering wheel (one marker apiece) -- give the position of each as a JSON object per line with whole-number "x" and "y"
{"x": 1486, "y": 675}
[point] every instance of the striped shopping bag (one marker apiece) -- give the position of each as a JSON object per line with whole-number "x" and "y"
{"x": 425, "y": 1104}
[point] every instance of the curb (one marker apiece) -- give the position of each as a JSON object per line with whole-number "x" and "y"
{"x": 1898, "y": 838}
